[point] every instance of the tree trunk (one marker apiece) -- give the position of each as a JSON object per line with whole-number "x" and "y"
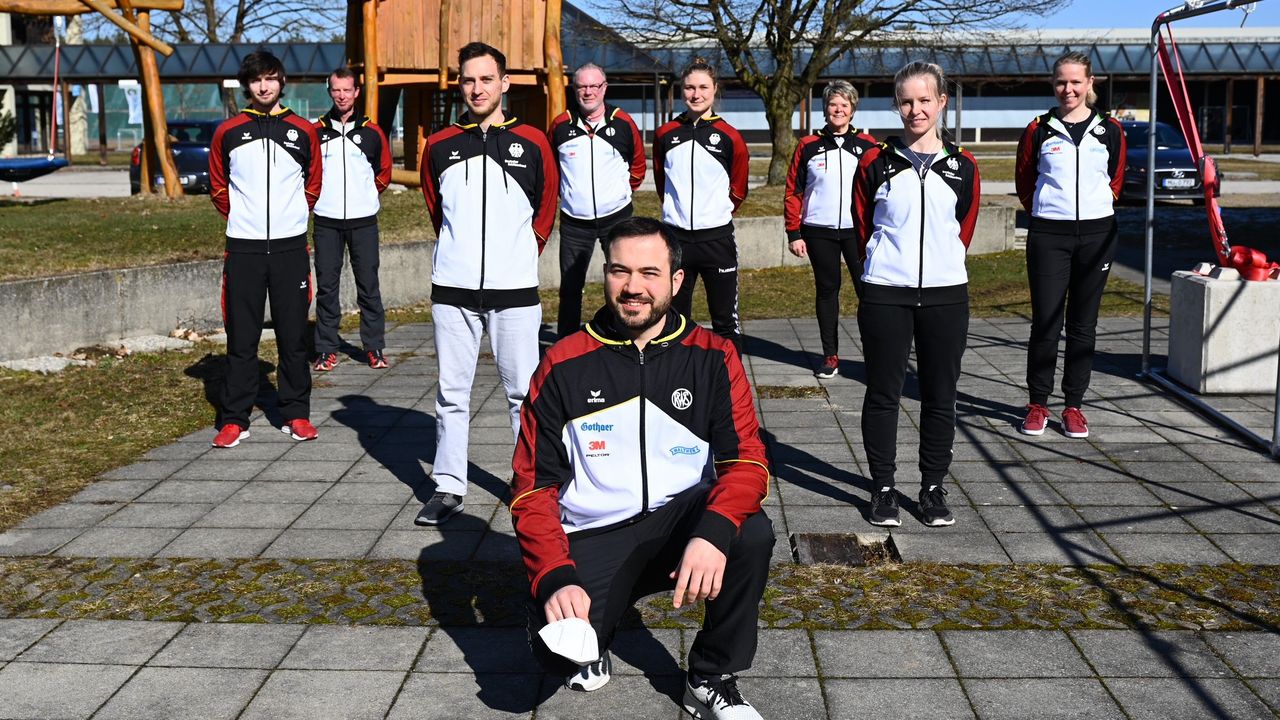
{"x": 778, "y": 110}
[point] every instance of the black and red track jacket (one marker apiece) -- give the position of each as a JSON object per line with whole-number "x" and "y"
{"x": 1060, "y": 183}
{"x": 913, "y": 231}
{"x": 357, "y": 169}
{"x": 817, "y": 202}
{"x": 264, "y": 177}
{"x": 600, "y": 167}
{"x": 700, "y": 169}
{"x": 609, "y": 434}
{"x": 492, "y": 199}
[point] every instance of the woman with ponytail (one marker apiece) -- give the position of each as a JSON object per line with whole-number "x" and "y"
{"x": 915, "y": 204}
{"x": 1070, "y": 170}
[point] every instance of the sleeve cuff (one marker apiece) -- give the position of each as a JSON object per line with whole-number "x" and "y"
{"x": 793, "y": 235}
{"x": 716, "y": 529}
{"x": 556, "y": 578}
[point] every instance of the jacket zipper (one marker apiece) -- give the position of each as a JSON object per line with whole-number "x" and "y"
{"x": 920, "y": 284}
{"x": 267, "y": 141}
{"x": 591, "y": 145}
{"x": 1077, "y": 154}
{"x": 484, "y": 205}
{"x": 693, "y": 138}
{"x": 343, "y": 146}
{"x": 840, "y": 196}
{"x": 644, "y": 463}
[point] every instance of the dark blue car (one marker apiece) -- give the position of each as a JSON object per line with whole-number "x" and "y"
{"x": 190, "y": 140}
{"x": 1177, "y": 176}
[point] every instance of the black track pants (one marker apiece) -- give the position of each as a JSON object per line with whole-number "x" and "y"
{"x": 716, "y": 262}
{"x": 940, "y": 333}
{"x": 618, "y": 567}
{"x": 577, "y": 243}
{"x": 1067, "y": 274}
{"x": 825, "y": 255}
{"x": 362, "y": 244}
{"x": 248, "y": 279}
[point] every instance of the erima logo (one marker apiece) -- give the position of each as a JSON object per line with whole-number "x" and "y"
{"x": 953, "y": 163}
{"x": 246, "y": 136}
{"x": 453, "y": 155}
{"x": 303, "y": 286}
{"x": 516, "y": 150}
{"x": 291, "y": 134}
{"x": 1106, "y": 267}
{"x": 595, "y": 398}
{"x": 675, "y": 141}
{"x": 681, "y": 399}
{"x": 595, "y": 427}
{"x": 691, "y": 450}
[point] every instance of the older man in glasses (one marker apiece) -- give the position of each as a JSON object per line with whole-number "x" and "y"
{"x": 601, "y": 158}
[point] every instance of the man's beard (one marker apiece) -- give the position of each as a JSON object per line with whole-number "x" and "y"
{"x": 639, "y": 322}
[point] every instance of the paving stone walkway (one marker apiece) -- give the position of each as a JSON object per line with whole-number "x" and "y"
{"x": 1154, "y": 484}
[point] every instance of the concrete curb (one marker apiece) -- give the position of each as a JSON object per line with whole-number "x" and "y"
{"x": 60, "y": 314}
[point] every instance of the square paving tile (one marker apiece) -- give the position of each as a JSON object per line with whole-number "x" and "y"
{"x": 1043, "y": 699}
{"x": 146, "y": 470}
{"x": 17, "y": 634}
{"x": 1152, "y": 548}
{"x": 113, "y": 491}
{"x": 881, "y": 654}
{"x": 1061, "y": 548}
{"x": 157, "y": 515}
{"x": 465, "y": 697}
{"x": 1188, "y": 699}
{"x": 356, "y": 648}
{"x": 161, "y": 693}
{"x": 427, "y": 543}
{"x": 1107, "y": 494}
{"x": 966, "y": 544}
{"x": 40, "y": 691}
{"x": 119, "y": 542}
{"x": 191, "y": 491}
{"x": 220, "y": 543}
{"x": 1038, "y": 519}
{"x": 1024, "y": 492}
{"x": 70, "y": 515}
{"x": 1126, "y": 653}
{"x": 252, "y": 515}
{"x": 913, "y": 699}
{"x": 648, "y": 651}
{"x": 1251, "y": 518}
{"x": 347, "y": 517}
{"x": 1113, "y": 520}
{"x": 220, "y": 467}
{"x": 310, "y": 694}
{"x": 229, "y": 645}
{"x": 281, "y": 492}
{"x": 1195, "y": 494}
{"x": 126, "y": 642}
{"x": 1252, "y": 654}
{"x": 1014, "y": 654}
{"x": 635, "y": 697}
{"x": 784, "y": 698}
{"x": 295, "y": 469}
{"x": 368, "y": 494}
{"x": 782, "y": 653}
{"x": 16, "y": 543}
{"x": 1254, "y": 549}
{"x": 478, "y": 650}
{"x": 326, "y": 544}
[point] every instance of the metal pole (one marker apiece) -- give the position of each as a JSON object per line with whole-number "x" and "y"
{"x": 1275, "y": 412}
{"x": 1149, "y": 245}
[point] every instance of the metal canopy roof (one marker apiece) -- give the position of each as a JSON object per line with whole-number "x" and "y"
{"x": 189, "y": 62}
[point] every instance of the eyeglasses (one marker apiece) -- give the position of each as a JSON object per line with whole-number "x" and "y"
{"x": 592, "y": 88}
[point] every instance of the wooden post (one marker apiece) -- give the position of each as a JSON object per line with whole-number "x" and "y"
{"x": 553, "y": 57}
{"x": 65, "y": 93}
{"x": 445, "y": 33}
{"x": 154, "y": 94}
{"x": 1258, "y": 116}
{"x": 102, "y": 123}
{"x": 413, "y": 121}
{"x": 1227, "y": 117}
{"x": 371, "y": 59}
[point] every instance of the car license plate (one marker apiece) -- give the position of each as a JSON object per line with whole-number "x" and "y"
{"x": 1179, "y": 183}
{"x": 187, "y": 179}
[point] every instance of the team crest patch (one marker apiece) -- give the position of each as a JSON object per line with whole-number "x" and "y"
{"x": 681, "y": 399}
{"x": 953, "y": 163}
{"x": 356, "y": 139}
{"x": 714, "y": 138}
{"x": 291, "y": 134}
{"x": 516, "y": 150}
{"x": 857, "y": 150}
{"x": 1099, "y": 130}
{"x": 610, "y": 132}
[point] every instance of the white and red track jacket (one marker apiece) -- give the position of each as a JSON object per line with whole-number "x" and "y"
{"x": 264, "y": 177}
{"x": 492, "y": 199}
{"x": 609, "y": 434}
{"x": 700, "y": 167}
{"x": 818, "y": 199}
{"x": 913, "y": 231}
{"x": 1058, "y": 181}
{"x": 600, "y": 167}
{"x": 357, "y": 168}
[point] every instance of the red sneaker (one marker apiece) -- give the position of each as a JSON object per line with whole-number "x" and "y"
{"x": 1073, "y": 423}
{"x": 300, "y": 429}
{"x": 376, "y": 361}
{"x": 830, "y": 366}
{"x": 1036, "y": 420}
{"x": 230, "y": 436}
{"x": 326, "y": 362}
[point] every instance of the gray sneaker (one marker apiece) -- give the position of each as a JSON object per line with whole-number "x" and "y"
{"x": 439, "y": 508}
{"x": 593, "y": 676}
{"x": 716, "y": 699}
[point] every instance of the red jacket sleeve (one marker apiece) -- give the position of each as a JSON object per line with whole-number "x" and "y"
{"x": 382, "y": 173}
{"x": 544, "y": 211}
{"x": 218, "y": 171}
{"x": 430, "y": 192}
{"x": 793, "y": 195}
{"x": 315, "y": 165}
{"x": 739, "y": 168}
{"x": 1026, "y": 170}
{"x": 638, "y": 162}
{"x": 864, "y": 205}
{"x": 969, "y": 220}
{"x": 1118, "y": 160}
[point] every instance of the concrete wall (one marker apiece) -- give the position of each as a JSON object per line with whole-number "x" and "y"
{"x": 61, "y": 314}
{"x": 1224, "y": 334}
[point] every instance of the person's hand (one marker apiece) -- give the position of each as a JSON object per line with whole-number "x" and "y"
{"x": 798, "y": 248}
{"x": 570, "y": 601}
{"x": 699, "y": 574}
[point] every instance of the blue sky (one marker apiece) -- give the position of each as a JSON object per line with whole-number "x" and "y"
{"x": 1140, "y": 13}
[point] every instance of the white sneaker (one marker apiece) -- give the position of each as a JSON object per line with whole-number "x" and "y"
{"x": 716, "y": 699}
{"x": 593, "y": 676}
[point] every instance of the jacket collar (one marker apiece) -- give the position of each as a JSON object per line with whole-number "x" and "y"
{"x": 893, "y": 146}
{"x": 684, "y": 119}
{"x": 603, "y": 327}
{"x": 577, "y": 118}
{"x": 335, "y": 118}
{"x": 282, "y": 112}
{"x": 466, "y": 124}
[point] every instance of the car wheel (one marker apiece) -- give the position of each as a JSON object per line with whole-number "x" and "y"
{"x": 1198, "y": 202}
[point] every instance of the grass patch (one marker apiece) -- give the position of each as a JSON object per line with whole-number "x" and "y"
{"x": 787, "y": 392}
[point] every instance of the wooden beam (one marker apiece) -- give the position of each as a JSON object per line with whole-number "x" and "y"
{"x": 75, "y": 7}
{"x": 1258, "y": 116}
{"x": 553, "y": 57}
{"x": 442, "y": 78}
{"x": 139, "y": 34}
{"x": 371, "y": 59}
{"x": 407, "y": 178}
{"x": 150, "y": 76}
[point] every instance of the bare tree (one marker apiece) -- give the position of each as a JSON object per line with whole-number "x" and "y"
{"x": 237, "y": 21}
{"x": 780, "y": 48}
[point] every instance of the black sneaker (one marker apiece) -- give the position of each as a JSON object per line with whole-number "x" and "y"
{"x": 884, "y": 508}
{"x": 829, "y": 367}
{"x": 593, "y": 676}
{"x": 933, "y": 507}
{"x": 439, "y": 508}
{"x": 716, "y": 699}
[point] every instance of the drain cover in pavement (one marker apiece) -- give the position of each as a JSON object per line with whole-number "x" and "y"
{"x": 843, "y": 549}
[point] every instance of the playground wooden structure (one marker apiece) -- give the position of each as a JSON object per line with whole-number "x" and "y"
{"x": 134, "y": 19}
{"x": 410, "y": 48}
